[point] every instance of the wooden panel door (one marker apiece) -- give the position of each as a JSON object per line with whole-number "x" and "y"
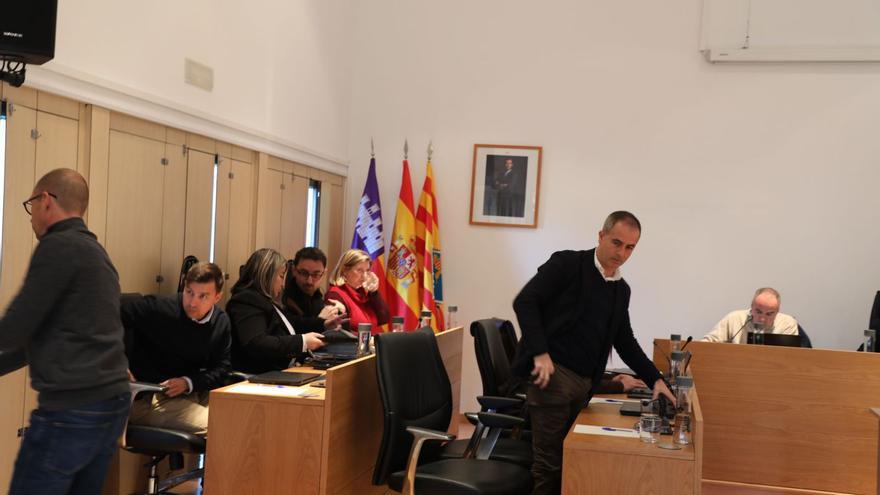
{"x": 18, "y": 244}
{"x": 57, "y": 143}
{"x": 199, "y": 194}
{"x": 173, "y": 217}
{"x": 134, "y": 210}
{"x": 272, "y": 213}
{"x": 294, "y": 207}
{"x": 240, "y": 227}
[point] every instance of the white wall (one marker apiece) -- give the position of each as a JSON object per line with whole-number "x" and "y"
{"x": 281, "y": 69}
{"x": 743, "y": 176}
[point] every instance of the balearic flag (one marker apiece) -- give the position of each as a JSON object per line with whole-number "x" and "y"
{"x": 402, "y": 271}
{"x": 428, "y": 249}
{"x": 368, "y": 235}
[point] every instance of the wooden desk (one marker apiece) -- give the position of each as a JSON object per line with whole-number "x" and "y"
{"x": 273, "y": 442}
{"x": 605, "y": 464}
{"x": 783, "y": 419}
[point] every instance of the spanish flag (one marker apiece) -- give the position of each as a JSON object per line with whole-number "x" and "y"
{"x": 428, "y": 249}
{"x": 402, "y": 272}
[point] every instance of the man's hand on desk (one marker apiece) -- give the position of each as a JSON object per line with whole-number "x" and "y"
{"x": 661, "y": 388}
{"x": 543, "y": 370}
{"x": 176, "y": 386}
{"x": 629, "y": 382}
{"x": 313, "y": 340}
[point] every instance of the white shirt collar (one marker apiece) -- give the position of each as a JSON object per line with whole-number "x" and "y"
{"x": 614, "y": 276}
{"x": 206, "y": 319}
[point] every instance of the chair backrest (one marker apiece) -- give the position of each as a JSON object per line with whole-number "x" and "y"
{"x": 415, "y": 391}
{"x": 492, "y": 356}
{"x": 188, "y": 262}
{"x": 874, "y": 320}
{"x": 508, "y": 336}
{"x": 805, "y": 339}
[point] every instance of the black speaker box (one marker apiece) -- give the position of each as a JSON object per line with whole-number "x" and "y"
{"x": 27, "y": 30}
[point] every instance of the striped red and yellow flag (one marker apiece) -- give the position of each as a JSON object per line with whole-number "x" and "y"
{"x": 402, "y": 270}
{"x": 429, "y": 254}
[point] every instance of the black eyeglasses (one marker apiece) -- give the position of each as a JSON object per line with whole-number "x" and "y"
{"x": 306, "y": 274}
{"x": 29, "y": 202}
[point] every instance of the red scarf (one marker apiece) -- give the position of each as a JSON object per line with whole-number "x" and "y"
{"x": 358, "y": 303}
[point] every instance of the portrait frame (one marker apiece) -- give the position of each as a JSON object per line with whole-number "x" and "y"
{"x": 506, "y": 185}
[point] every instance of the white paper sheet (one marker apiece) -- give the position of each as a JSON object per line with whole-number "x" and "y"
{"x": 606, "y": 430}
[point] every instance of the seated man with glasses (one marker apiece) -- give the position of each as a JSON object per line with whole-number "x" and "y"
{"x": 302, "y": 297}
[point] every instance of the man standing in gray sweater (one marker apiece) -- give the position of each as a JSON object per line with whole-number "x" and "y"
{"x": 65, "y": 324}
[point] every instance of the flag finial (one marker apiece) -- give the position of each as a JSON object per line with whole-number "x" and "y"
{"x": 405, "y": 148}
{"x": 372, "y": 148}
{"x": 430, "y": 149}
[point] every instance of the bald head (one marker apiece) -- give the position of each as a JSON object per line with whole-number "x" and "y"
{"x": 69, "y": 187}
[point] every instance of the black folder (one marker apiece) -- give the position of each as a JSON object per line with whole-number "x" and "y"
{"x": 291, "y": 378}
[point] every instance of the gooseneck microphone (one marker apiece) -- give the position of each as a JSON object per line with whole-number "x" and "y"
{"x": 686, "y": 342}
{"x": 748, "y": 319}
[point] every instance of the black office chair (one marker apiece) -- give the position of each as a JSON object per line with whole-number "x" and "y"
{"x": 188, "y": 262}
{"x": 805, "y": 339}
{"x": 158, "y": 443}
{"x": 417, "y": 403}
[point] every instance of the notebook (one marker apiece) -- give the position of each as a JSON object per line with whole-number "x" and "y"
{"x": 291, "y": 378}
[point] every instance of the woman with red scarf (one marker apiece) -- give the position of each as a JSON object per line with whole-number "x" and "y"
{"x": 355, "y": 286}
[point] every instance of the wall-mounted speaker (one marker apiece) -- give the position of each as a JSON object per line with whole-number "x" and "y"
{"x": 27, "y": 30}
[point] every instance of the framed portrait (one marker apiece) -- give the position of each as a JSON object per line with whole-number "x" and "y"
{"x": 505, "y": 185}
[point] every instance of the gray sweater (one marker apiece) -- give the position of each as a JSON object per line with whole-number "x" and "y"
{"x": 66, "y": 320}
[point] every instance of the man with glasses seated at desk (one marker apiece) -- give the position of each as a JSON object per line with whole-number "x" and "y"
{"x": 302, "y": 297}
{"x": 763, "y": 315}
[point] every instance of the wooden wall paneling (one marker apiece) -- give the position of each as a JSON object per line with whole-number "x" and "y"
{"x": 331, "y": 220}
{"x": 271, "y": 199}
{"x": 18, "y": 242}
{"x": 98, "y": 170}
{"x": 173, "y": 216}
{"x": 138, "y": 127}
{"x": 242, "y": 154}
{"x": 134, "y": 206}
{"x": 241, "y": 215}
{"x": 223, "y": 149}
{"x": 221, "y": 232}
{"x": 199, "y": 189}
{"x": 201, "y": 143}
{"x": 294, "y": 200}
{"x": 23, "y": 95}
{"x": 57, "y": 142}
{"x": 175, "y": 136}
{"x": 58, "y": 105}
{"x": 262, "y": 185}
{"x": 83, "y": 138}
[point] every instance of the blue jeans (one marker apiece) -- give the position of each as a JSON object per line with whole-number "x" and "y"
{"x": 68, "y": 451}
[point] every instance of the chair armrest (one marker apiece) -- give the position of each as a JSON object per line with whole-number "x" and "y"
{"x": 498, "y": 420}
{"x": 494, "y": 403}
{"x": 472, "y": 418}
{"x": 420, "y": 436}
{"x": 520, "y": 396}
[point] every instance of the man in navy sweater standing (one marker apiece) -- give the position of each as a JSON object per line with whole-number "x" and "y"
{"x": 64, "y": 323}
{"x": 571, "y": 313}
{"x": 182, "y": 342}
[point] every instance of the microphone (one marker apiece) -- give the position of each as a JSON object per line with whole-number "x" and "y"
{"x": 748, "y": 319}
{"x": 686, "y": 342}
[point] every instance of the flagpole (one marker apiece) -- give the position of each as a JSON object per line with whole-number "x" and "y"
{"x": 430, "y": 149}
{"x": 405, "y": 148}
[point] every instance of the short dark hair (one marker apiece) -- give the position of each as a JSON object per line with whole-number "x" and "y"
{"x": 205, "y": 272}
{"x": 621, "y": 216}
{"x": 310, "y": 253}
{"x": 70, "y": 189}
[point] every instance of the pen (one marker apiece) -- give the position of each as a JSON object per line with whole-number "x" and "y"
{"x": 608, "y": 428}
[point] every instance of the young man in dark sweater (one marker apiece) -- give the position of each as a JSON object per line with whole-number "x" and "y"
{"x": 571, "y": 313}
{"x": 182, "y": 342}
{"x": 302, "y": 297}
{"x": 64, "y": 323}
